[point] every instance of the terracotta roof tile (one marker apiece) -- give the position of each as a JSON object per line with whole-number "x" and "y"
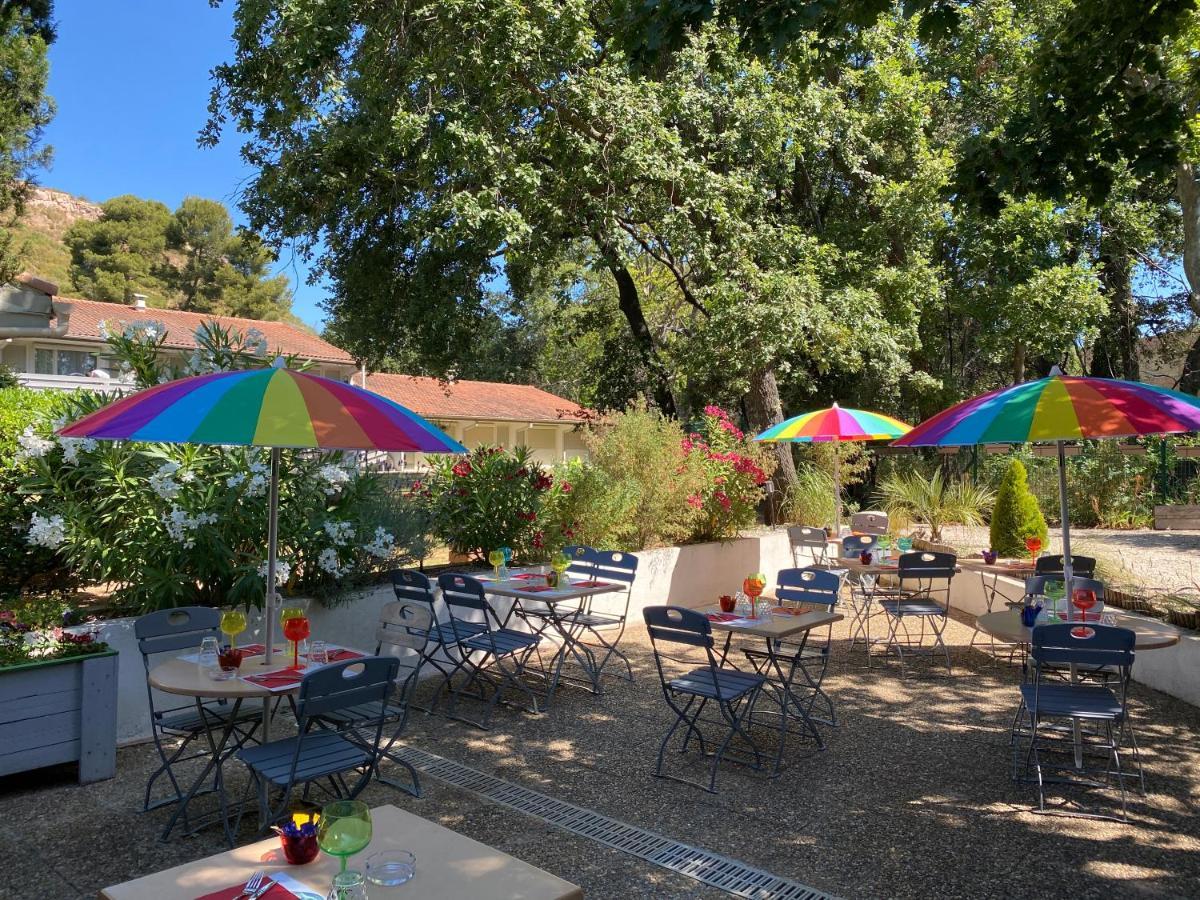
{"x": 436, "y": 399}
{"x": 281, "y": 337}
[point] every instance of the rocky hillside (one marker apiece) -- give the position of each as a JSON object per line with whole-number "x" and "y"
{"x": 48, "y": 215}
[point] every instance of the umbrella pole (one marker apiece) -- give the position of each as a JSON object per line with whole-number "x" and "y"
{"x": 1066, "y": 523}
{"x": 837, "y": 491}
{"x": 272, "y": 551}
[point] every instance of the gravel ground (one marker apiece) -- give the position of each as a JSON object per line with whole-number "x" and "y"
{"x": 1154, "y": 559}
{"x": 911, "y": 799}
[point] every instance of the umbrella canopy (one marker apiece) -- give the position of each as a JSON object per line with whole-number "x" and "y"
{"x": 274, "y": 407}
{"x": 1059, "y": 408}
{"x": 835, "y": 425}
{"x": 1056, "y": 409}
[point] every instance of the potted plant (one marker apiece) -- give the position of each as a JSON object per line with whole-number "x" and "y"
{"x": 58, "y": 693}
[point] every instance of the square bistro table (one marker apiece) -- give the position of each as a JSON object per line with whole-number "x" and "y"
{"x": 781, "y": 668}
{"x": 450, "y": 866}
{"x": 562, "y": 603}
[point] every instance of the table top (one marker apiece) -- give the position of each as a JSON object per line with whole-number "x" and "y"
{"x": 518, "y": 588}
{"x": 450, "y": 866}
{"x": 1151, "y": 633}
{"x": 773, "y": 626}
{"x": 178, "y": 676}
{"x": 1014, "y": 567}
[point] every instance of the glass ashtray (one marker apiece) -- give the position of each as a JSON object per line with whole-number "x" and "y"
{"x": 391, "y": 868}
{"x": 222, "y": 673}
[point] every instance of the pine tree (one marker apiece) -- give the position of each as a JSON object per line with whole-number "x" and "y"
{"x": 1016, "y": 514}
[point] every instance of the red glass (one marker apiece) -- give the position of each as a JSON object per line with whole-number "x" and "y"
{"x": 727, "y": 603}
{"x": 1083, "y": 599}
{"x": 296, "y": 630}
{"x": 1033, "y": 544}
{"x": 299, "y": 849}
{"x": 752, "y": 587}
{"x": 230, "y": 658}
{"x": 865, "y": 557}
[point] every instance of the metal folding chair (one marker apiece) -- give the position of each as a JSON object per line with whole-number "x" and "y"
{"x": 405, "y": 627}
{"x": 600, "y": 614}
{"x": 1096, "y": 705}
{"x": 1052, "y": 564}
{"x": 169, "y": 631}
{"x": 319, "y": 755}
{"x": 869, "y": 522}
{"x": 813, "y": 541}
{"x": 862, "y": 589}
{"x": 808, "y": 587}
{"x": 732, "y": 691}
{"x": 495, "y": 655}
{"x": 441, "y": 650}
{"x": 923, "y": 594}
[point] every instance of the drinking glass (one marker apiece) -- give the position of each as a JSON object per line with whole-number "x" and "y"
{"x": 753, "y": 586}
{"x": 348, "y": 886}
{"x": 344, "y": 829}
{"x": 1033, "y": 544}
{"x": 496, "y": 558}
{"x": 904, "y": 544}
{"x": 295, "y": 630}
{"x": 318, "y": 653}
{"x": 1083, "y": 599}
{"x": 289, "y": 612}
{"x": 210, "y": 650}
{"x": 560, "y": 563}
{"x": 233, "y": 623}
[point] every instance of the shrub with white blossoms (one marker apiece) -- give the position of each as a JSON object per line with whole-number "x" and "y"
{"x": 33, "y": 445}
{"x": 47, "y": 531}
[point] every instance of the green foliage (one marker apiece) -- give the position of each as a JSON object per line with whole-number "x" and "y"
{"x": 31, "y": 631}
{"x": 809, "y": 500}
{"x": 1015, "y": 515}
{"x": 121, "y": 253}
{"x": 26, "y": 30}
{"x": 734, "y": 471}
{"x": 934, "y": 501}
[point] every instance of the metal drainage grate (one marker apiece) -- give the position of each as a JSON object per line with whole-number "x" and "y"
{"x": 729, "y": 875}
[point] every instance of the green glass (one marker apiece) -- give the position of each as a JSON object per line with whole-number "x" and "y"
{"x": 344, "y": 829}
{"x": 560, "y": 563}
{"x": 496, "y": 558}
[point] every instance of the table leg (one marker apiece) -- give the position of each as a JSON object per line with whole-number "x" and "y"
{"x": 215, "y": 761}
{"x": 570, "y": 644}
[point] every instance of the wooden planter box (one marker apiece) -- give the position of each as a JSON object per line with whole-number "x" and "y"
{"x": 58, "y": 711}
{"x": 1131, "y": 602}
{"x": 1177, "y": 515}
{"x": 1180, "y": 618}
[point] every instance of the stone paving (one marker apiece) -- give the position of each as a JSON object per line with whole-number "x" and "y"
{"x": 911, "y": 799}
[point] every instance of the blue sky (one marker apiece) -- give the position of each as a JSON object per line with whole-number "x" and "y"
{"x": 130, "y": 79}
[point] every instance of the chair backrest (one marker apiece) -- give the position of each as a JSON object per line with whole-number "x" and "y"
{"x": 816, "y": 586}
{"x": 466, "y": 601}
{"x": 869, "y": 522}
{"x": 1052, "y": 564}
{"x": 680, "y": 626}
{"x": 854, "y": 544}
{"x": 807, "y": 536}
{"x": 403, "y": 634}
{"x": 582, "y": 560}
{"x": 344, "y": 685}
{"x": 614, "y": 565}
{"x": 171, "y": 630}
{"x": 927, "y": 565}
{"x": 1095, "y": 646}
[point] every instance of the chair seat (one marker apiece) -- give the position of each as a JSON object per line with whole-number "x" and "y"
{"x": 321, "y": 753}
{"x": 1079, "y": 701}
{"x": 446, "y": 634}
{"x": 365, "y": 713}
{"x": 506, "y": 640}
{"x": 913, "y": 608}
{"x": 729, "y": 684}
{"x": 594, "y": 619}
{"x": 188, "y": 721}
{"x": 787, "y": 652}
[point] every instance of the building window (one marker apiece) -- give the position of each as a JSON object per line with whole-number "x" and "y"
{"x": 63, "y": 362}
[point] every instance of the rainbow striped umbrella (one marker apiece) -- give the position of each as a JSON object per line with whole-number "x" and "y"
{"x": 1056, "y": 409}
{"x": 835, "y": 425}
{"x": 273, "y": 407}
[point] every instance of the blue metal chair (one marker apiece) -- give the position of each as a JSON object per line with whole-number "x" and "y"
{"x": 1052, "y": 564}
{"x": 854, "y": 544}
{"x": 170, "y": 631}
{"x": 1097, "y": 705}
{"x": 732, "y": 691}
{"x": 863, "y": 589}
{"x": 404, "y": 631}
{"x": 814, "y": 588}
{"x": 495, "y": 655}
{"x": 602, "y": 613}
{"x": 869, "y": 522}
{"x": 924, "y": 595}
{"x": 318, "y": 755}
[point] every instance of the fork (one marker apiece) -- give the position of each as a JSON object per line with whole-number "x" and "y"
{"x": 252, "y": 885}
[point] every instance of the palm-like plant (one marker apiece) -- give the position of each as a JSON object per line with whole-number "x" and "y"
{"x": 934, "y": 501}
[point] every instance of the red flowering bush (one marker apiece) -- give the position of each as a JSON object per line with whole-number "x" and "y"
{"x": 734, "y": 469}
{"x": 492, "y": 498}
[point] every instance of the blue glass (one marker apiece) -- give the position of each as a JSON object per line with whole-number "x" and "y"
{"x": 1029, "y": 615}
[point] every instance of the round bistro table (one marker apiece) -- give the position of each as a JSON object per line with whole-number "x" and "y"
{"x": 189, "y": 679}
{"x": 1151, "y": 634}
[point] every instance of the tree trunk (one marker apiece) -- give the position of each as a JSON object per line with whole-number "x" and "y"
{"x": 762, "y": 411}
{"x": 1189, "y": 202}
{"x": 1018, "y": 363}
{"x": 1115, "y": 352}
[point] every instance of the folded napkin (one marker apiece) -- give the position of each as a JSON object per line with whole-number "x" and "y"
{"x": 722, "y": 617}
{"x": 277, "y": 681}
{"x": 276, "y": 892}
{"x": 341, "y": 654}
{"x": 589, "y": 584}
{"x": 527, "y": 576}
{"x": 786, "y": 611}
{"x": 253, "y": 649}
{"x": 537, "y": 588}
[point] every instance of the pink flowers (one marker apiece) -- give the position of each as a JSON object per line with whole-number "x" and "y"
{"x": 716, "y": 412}
{"x": 528, "y": 516}
{"x": 539, "y": 540}
{"x": 566, "y": 487}
{"x": 462, "y": 469}
{"x": 694, "y": 501}
{"x": 722, "y": 498}
{"x": 543, "y": 482}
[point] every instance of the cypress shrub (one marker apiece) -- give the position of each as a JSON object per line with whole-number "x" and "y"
{"x": 1016, "y": 514}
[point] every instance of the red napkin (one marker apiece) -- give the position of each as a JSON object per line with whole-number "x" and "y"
{"x": 277, "y": 892}
{"x": 253, "y": 650}
{"x": 527, "y": 576}
{"x": 591, "y": 584}
{"x": 537, "y": 588}
{"x": 342, "y": 654}
{"x": 272, "y": 680}
{"x": 722, "y": 617}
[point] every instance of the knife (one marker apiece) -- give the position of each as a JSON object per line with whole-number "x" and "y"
{"x": 266, "y": 886}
